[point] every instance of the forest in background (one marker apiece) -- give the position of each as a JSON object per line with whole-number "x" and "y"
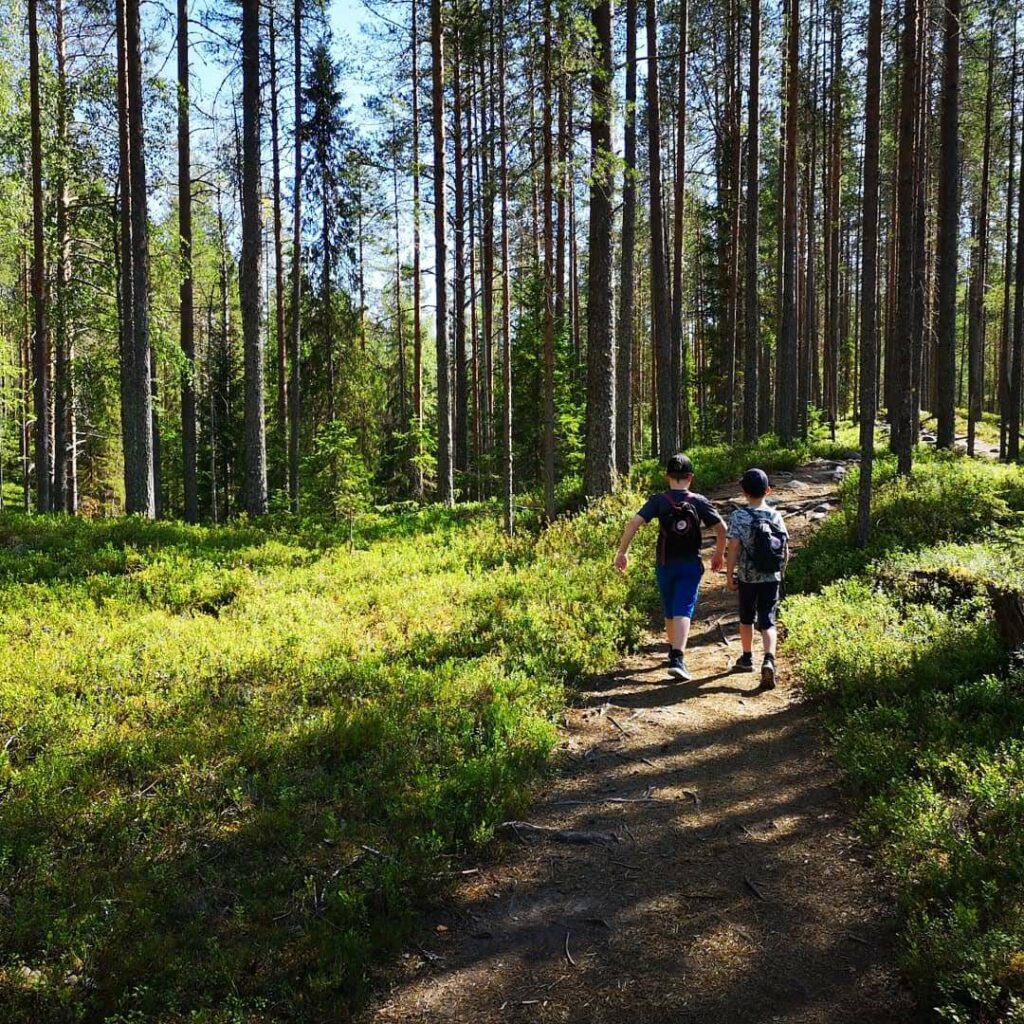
{"x": 219, "y": 279}
{"x": 237, "y": 754}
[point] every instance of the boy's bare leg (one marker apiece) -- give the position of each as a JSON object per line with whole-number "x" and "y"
{"x": 677, "y": 630}
{"x": 769, "y": 637}
{"x": 747, "y": 637}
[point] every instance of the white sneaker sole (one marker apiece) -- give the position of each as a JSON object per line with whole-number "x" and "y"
{"x": 680, "y": 673}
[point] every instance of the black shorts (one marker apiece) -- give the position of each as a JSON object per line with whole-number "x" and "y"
{"x": 762, "y": 598}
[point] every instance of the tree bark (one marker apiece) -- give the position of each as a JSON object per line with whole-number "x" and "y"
{"x": 624, "y": 396}
{"x": 834, "y": 324}
{"x": 279, "y": 287}
{"x": 948, "y": 230}
{"x": 461, "y": 418}
{"x": 140, "y": 495}
{"x": 40, "y": 346}
{"x": 979, "y": 275}
{"x": 549, "y": 270}
{"x": 296, "y": 325}
{"x": 787, "y": 356}
{"x": 599, "y": 471}
{"x": 902, "y": 362}
{"x": 65, "y": 484}
{"x": 506, "y": 318}
{"x": 185, "y": 290}
{"x": 1013, "y": 416}
{"x": 1006, "y": 335}
{"x": 679, "y": 353}
{"x": 869, "y": 270}
{"x": 250, "y": 269}
{"x": 445, "y": 489}
{"x": 752, "y": 310}
{"x": 660, "y": 298}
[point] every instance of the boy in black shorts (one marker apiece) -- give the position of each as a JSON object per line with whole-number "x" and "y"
{"x": 682, "y": 515}
{"x": 755, "y": 562}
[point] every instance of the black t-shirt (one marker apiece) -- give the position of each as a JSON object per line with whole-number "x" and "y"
{"x": 657, "y": 507}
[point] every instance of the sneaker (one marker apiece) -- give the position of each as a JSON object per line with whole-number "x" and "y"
{"x": 768, "y": 674}
{"x": 744, "y": 663}
{"x": 677, "y": 667}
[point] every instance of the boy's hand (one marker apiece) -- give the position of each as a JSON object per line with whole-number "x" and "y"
{"x": 717, "y": 561}
{"x": 621, "y": 561}
{"x": 733, "y": 583}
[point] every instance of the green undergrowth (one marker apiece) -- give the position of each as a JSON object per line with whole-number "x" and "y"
{"x": 233, "y": 759}
{"x": 926, "y": 709}
{"x": 718, "y": 464}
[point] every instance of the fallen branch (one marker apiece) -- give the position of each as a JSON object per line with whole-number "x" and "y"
{"x": 570, "y": 836}
{"x": 568, "y": 955}
{"x": 754, "y": 889}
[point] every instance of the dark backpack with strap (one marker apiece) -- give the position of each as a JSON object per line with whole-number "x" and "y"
{"x": 681, "y": 535}
{"x": 767, "y": 545}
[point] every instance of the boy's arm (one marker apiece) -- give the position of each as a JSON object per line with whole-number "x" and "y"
{"x": 718, "y": 558}
{"x": 622, "y": 557}
{"x": 732, "y": 557}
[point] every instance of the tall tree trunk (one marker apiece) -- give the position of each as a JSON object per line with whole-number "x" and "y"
{"x": 185, "y": 290}
{"x": 140, "y": 496}
{"x": 679, "y": 354}
{"x": 445, "y": 490}
{"x": 25, "y": 359}
{"x": 976, "y": 345}
{"x": 417, "y": 284}
{"x": 787, "y": 358}
{"x": 65, "y": 497}
{"x": 279, "y": 324}
{"x": 902, "y": 363}
{"x": 919, "y": 274}
{"x": 296, "y": 324}
{"x": 834, "y": 325}
{"x": 549, "y": 270}
{"x": 487, "y": 159}
{"x": 403, "y": 423}
{"x": 1008, "y": 263}
{"x": 1013, "y": 416}
{"x": 327, "y": 298}
{"x": 250, "y": 269}
{"x": 506, "y": 319}
{"x": 948, "y": 230}
{"x": 624, "y": 408}
{"x": 40, "y": 347}
{"x": 735, "y": 176}
{"x": 660, "y": 298}
{"x": 461, "y": 418}
{"x": 869, "y": 270}
{"x": 752, "y": 311}
{"x": 599, "y": 473}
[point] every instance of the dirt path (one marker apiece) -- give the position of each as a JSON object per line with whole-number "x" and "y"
{"x": 727, "y": 885}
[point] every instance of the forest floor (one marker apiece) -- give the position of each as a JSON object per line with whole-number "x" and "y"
{"x": 691, "y": 859}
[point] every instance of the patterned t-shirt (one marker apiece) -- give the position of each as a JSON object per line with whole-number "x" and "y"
{"x": 741, "y": 524}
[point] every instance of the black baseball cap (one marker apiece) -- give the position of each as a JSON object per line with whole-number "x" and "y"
{"x": 678, "y": 466}
{"x": 755, "y": 483}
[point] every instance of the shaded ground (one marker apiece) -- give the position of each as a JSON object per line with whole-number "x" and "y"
{"x": 700, "y": 864}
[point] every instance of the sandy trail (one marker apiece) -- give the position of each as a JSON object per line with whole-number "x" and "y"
{"x": 721, "y": 880}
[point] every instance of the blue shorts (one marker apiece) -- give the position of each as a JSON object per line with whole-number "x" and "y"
{"x": 679, "y": 583}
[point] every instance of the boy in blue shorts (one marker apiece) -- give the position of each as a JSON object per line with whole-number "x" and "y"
{"x": 755, "y": 562}
{"x": 682, "y": 515}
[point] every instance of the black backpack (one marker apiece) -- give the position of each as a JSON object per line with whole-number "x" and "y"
{"x": 768, "y": 545}
{"x": 681, "y": 535}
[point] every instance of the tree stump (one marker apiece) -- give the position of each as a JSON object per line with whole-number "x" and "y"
{"x": 1008, "y": 611}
